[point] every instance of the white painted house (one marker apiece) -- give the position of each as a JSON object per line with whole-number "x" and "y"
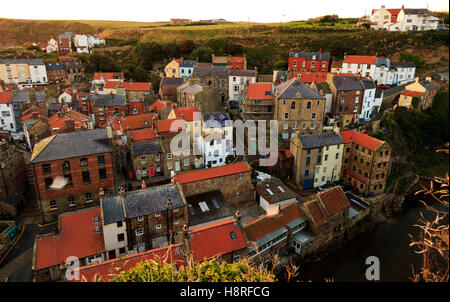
{"x": 52, "y": 45}
{"x": 82, "y": 44}
{"x": 370, "y": 105}
{"x": 213, "y": 148}
{"x": 237, "y": 80}
{"x": 38, "y": 72}
{"x": 363, "y": 65}
{"x": 403, "y": 19}
{"x": 393, "y": 73}
{"x": 7, "y": 120}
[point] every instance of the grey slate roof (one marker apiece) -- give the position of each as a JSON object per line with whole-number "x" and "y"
{"x": 151, "y": 200}
{"x": 242, "y": 73}
{"x": 427, "y": 84}
{"x": 112, "y": 209}
{"x": 74, "y": 144}
{"x": 402, "y": 64}
{"x": 110, "y": 100}
{"x": 200, "y": 217}
{"x": 324, "y": 87}
{"x": 308, "y": 55}
{"x": 416, "y": 11}
{"x": 273, "y": 185}
{"x": 37, "y": 61}
{"x": 216, "y": 119}
{"x": 40, "y": 96}
{"x": 289, "y": 90}
{"x": 146, "y": 148}
{"x": 220, "y": 72}
{"x": 54, "y": 106}
{"x": 22, "y": 96}
{"x": 172, "y": 81}
{"x": 320, "y": 140}
{"x": 66, "y": 35}
{"x": 368, "y": 84}
{"x": 188, "y": 64}
{"x": 347, "y": 83}
{"x": 54, "y": 66}
{"x": 383, "y": 61}
{"x": 280, "y": 75}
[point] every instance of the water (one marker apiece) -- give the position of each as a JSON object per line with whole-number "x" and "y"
{"x": 389, "y": 242}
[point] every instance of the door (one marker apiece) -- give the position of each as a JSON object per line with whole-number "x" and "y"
{"x": 177, "y": 166}
{"x": 54, "y": 273}
{"x": 308, "y": 184}
{"x": 151, "y": 171}
{"x": 355, "y": 184}
{"x": 112, "y": 254}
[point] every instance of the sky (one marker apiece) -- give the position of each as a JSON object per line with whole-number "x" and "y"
{"x": 231, "y": 10}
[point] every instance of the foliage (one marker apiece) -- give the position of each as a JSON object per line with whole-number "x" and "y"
{"x": 155, "y": 79}
{"x": 187, "y": 46}
{"x": 415, "y": 102}
{"x": 100, "y": 62}
{"x": 412, "y": 58}
{"x": 148, "y": 52}
{"x": 140, "y": 74}
{"x": 280, "y": 65}
{"x": 260, "y": 56}
{"x": 366, "y": 25}
{"x": 329, "y": 18}
{"x": 202, "y": 53}
{"x": 206, "y": 271}
{"x": 223, "y": 46}
{"x": 442, "y": 15}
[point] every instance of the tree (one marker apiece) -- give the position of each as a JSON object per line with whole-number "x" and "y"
{"x": 202, "y": 53}
{"x": 187, "y": 46}
{"x": 366, "y": 25}
{"x": 148, "y": 52}
{"x": 280, "y": 65}
{"x": 171, "y": 50}
{"x": 412, "y": 58}
{"x": 415, "y": 102}
{"x": 155, "y": 79}
{"x": 261, "y": 56}
{"x": 140, "y": 74}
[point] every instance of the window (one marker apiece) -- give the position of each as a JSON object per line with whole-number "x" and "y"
{"x": 169, "y": 165}
{"x": 48, "y": 182}
{"x": 71, "y": 201}
{"x": 101, "y": 160}
{"x": 313, "y": 116}
{"x": 203, "y": 206}
{"x": 186, "y": 162}
{"x": 83, "y": 162}
{"x": 313, "y": 126}
{"x": 139, "y": 232}
{"x": 308, "y": 159}
{"x": 86, "y": 177}
{"x": 157, "y": 214}
{"x": 319, "y": 158}
{"x": 53, "y": 205}
{"x": 140, "y": 218}
{"x": 143, "y": 159}
{"x": 158, "y": 226}
{"x": 169, "y": 155}
{"x": 284, "y": 102}
{"x": 176, "y": 221}
{"x": 236, "y": 258}
{"x": 240, "y": 176}
{"x": 308, "y": 105}
{"x": 337, "y": 155}
{"x": 119, "y": 224}
{"x": 293, "y": 105}
{"x": 120, "y": 237}
{"x": 306, "y": 173}
{"x": 66, "y": 166}
{"x": 102, "y": 174}
{"x": 286, "y": 116}
{"x": 122, "y": 250}
{"x": 326, "y": 157}
{"x": 89, "y": 197}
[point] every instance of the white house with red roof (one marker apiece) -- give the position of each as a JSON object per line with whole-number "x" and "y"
{"x": 7, "y": 120}
{"x": 363, "y": 65}
{"x": 403, "y": 19}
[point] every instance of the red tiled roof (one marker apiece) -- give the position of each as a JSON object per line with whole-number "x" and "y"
{"x": 334, "y": 200}
{"x": 5, "y": 97}
{"x": 316, "y": 212}
{"x": 360, "y": 59}
{"x": 359, "y": 138}
{"x": 200, "y": 240}
{"x": 257, "y": 91}
{"x": 136, "y": 86}
{"x": 203, "y": 64}
{"x": 107, "y": 75}
{"x": 188, "y": 114}
{"x": 164, "y": 125}
{"x": 132, "y": 122}
{"x": 237, "y": 59}
{"x": 394, "y": 11}
{"x": 77, "y": 237}
{"x": 354, "y": 175}
{"x": 77, "y": 116}
{"x": 412, "y": 93}
{"x": 310, "y": 76}
{"x": 337, "y": 64}
{"x": 394, "y": 19}
{"x": 197, "y": 175}
{"x": 107, "y": 269}
{"x": 266, "y": 224}
{"x": 34, "y": 107}
{"x": 64, "y": 58}
{"x": 111, "y": 85}
{"x": 158, "y": 105}
{"x": 30, "y": 115}
{"x": 143, "y": 134}
{"x": 60, "y": 123}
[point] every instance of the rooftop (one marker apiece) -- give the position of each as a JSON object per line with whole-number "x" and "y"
{"x": 198, "y": 175}
{"x": 320, "y": 140}
{"x": 110, "y": 100}
{"x": 207, "y": 207}
{"x": 146, "y": 148}
{"x": 274, "y": 190}
{"x": 309, "y": 55}
{"x": 347, "y": 83}
{"x": 359, "y": 138}
{"x": 294, "y": 88}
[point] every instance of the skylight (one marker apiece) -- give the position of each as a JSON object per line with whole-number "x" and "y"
{"x": 214, "y": 201}
{"x": 270, "y": 192}
{"x": 203, "y": 206}
{"x": 281, "y": 189}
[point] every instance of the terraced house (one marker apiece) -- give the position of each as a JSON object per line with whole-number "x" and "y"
{"x": 297, "y": 107}
{"x": 366, "y": 162}
{"x": 216, "y": 77}
{"x": 317, "y": 159}
{"x": 83, "y": 159}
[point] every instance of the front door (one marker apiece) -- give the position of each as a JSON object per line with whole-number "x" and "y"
{"x": 151, "y": 171}
{"x": 112, "y": 254}
{"x": 177, "y": 166}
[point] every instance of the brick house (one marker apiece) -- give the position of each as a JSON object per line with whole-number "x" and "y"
{"x": 79, "y": 234}
{"x": 65, "y": 42}
{"x": 308, "y": 61}
{"x": 366, "y": 162}
{"x": 328, "y": 214}
{"x": 146, "y": 153}
{"x": 168, "y": 88}
{"x": 297, "y": 107}
{"x": 56, "y": 73}
{"x": 348, "y": 94}
{"x": 238, "y": 62}
{"x": 67, "y": 120}
{"x": 151, "y": 217}
{"x": 233, "y": 181}
{"x": 317, "y": 159}
{"x": 216, "y": 77}
{"x": 428, "y": 87}
{"x": 83, "y": 158}
{"x": 107, "y": 106}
